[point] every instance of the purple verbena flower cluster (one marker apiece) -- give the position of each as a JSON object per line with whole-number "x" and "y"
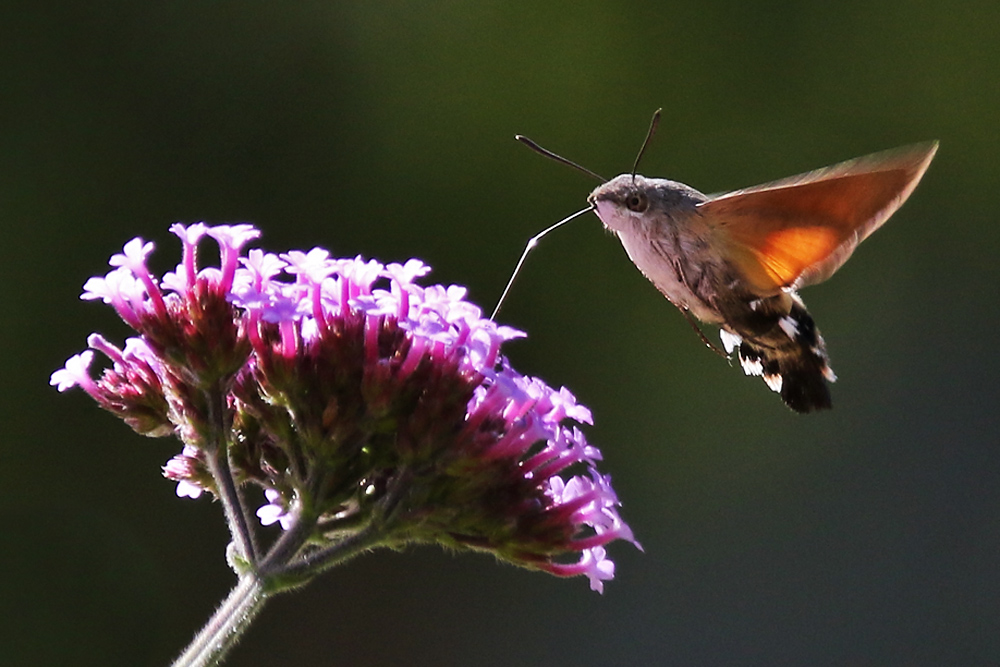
{"x": 350, "y": 394}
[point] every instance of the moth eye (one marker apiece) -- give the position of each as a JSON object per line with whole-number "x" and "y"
{"x": 637, "y": 202}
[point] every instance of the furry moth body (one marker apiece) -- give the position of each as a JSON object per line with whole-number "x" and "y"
{"x": 738, "y": 259}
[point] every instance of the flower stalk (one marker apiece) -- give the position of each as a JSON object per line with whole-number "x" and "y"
{"x": 227, "y": 624}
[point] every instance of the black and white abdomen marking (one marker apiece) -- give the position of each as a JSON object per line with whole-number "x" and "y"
{"x": 786, "y": 350}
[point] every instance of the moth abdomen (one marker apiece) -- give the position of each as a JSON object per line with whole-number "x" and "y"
{"x": 785, "y": 348}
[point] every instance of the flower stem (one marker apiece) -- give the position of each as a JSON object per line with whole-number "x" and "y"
{"x": 253, "y": 589}
{"x": 232, "y": 503}
{"x": 314, "y": 563}
{"x": 229, "y": 493}
{"x": 227, "y": 624}
{"x": 289, "y": 544}
{"x": 283, "y": 565}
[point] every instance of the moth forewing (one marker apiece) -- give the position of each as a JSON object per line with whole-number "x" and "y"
{"x": 798, "y": 231}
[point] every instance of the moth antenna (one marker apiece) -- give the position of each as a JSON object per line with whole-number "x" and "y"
{"x": 532, "y": 242}
{"x": 653, "y": 124}
{"x": 558, "y": 158}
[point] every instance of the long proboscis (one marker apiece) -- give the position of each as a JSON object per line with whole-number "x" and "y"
{"x": 532, "y": 242}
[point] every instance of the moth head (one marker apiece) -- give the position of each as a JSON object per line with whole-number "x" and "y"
{"x": 629, "y": 200}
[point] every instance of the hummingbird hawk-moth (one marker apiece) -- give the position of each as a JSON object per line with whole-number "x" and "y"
{"x": 737, "y": 259}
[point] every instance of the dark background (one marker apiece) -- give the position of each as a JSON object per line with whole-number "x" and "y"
{"x": 869, "y": 535}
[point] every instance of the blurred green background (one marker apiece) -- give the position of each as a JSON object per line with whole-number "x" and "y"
{"x": 869, "y": 535}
